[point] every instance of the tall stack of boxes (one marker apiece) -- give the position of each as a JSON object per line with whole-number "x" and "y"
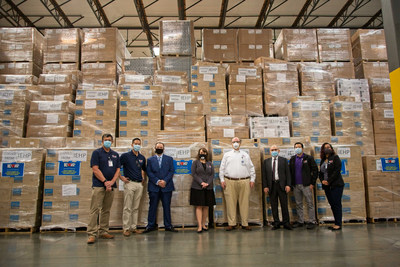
{"x": 140, "y": 65}
{"x": 255, "y": 43}
{"x": 219, "y": 45}
{"x": 297, "y": 45}
{"x": 384, "y": 129}
{"x": 316, "y": 80}
{"x": 245, "y": 90}
{"x": 171, "y": 81}
{"x": 21, "y": 187}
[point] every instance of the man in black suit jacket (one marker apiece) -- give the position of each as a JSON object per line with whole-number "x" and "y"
{"x": 277, "y": 182}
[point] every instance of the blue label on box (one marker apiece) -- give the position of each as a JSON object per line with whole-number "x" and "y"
{"x": 12, "y": 169}
{"x": 183, "y": 166}
{"x": 295, "y": 114}
{"x": 213, "y": 92}
{"x": 47, "y": 204}
{"x": 49, "y": 178}
{"x": 215, "y": 142}
{"x": 48, "y": 191}
{"x": 321, "y": 199}
{"x": 50, "y": 166}
{"x": 358, "y": 124}
{"x": 77, "y": 132}
{"x": 321, "y": 211}
{"x": 344, "y": 172}
{"x": 338, "y": 114}
{"x": 78, "y": 102}
{"x": 76, "y": 178}
{"x": 74, "y": 204}
{"x": 14, "y": 218}
{"x": 123, "y": 103}
{"x": 99, "y": 122}
{"x": 18, "y": 179}
{"x": 78, "y": 122}
{"x": 144, "y": 133}
{"x": 144, "y": 113}
{"x": 144, "y": 123}
{"x": 214, "y": 109}
{"x": 8, "y": 102}
{"x": 73, "y": 217}
{"x": 144, "y": 103}
{"x": 218, "y": 201}
{"x": 346, "y": 198}
{"x": 390, "y": 164}
{"x": 314, "y": 139}
{"x": 285, "y": 140}
{"x": 46, "y": 217}
{"x": 123, "y": 133}
{"x": 264, "y": 141}
{"x": 98, "y": 132}
{"x": 16, "y": 191}
{"x": 218, "y": 214}
{"x": 69, "y": 167}
{"x": 123, "y": 123}
{"x": 346, "y": 210}
{"x": 124, "y": 93}
{"x": 15, "y": 204}
{"x": 217, "y": 151}
{"x": 213, "y": 100}
{"x": 339, "y": 124}
{"x": 123, "y": 113}
{"x": 315, "y": 114}
{"x": 216, "y": 163}
{"x": 78, "y": 112}
{"x": 100, "y": 102}
{"x": 99, "y": 112}
{"x": 6, "y": 122}
{"x": 7, "y": 112}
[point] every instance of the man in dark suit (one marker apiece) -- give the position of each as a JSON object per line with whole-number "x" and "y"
{"x": 160, "y": 170}
{"x": 276, "y": 183}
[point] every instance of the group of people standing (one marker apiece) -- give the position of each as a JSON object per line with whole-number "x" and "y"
{"x": 237, "y": 178}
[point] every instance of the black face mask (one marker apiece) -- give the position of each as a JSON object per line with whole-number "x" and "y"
{"x": 159, "y": 151}
{"x": 202, "y": 156}
{"x": 328, "y": 151}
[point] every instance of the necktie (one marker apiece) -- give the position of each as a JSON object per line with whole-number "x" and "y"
{"x": 273, "y": 169}
{"x": 159, "y": 162}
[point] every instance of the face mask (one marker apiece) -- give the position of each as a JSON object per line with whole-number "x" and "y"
{"x": 298, "y": 150}
{"x": 136, "y": 147}
{"x": 107, "y": 144}
{"x": 159, "y": 151}
{"x": 236, "y": 145}
{"x": 328, "y": 151}
{"x": 202, "y": 156}
{"x": 274, "y": 153}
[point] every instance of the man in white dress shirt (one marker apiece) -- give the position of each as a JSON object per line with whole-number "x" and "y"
{"x": 237, "y": 176}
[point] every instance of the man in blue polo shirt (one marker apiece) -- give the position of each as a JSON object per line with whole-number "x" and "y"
{"x": 106, "y": 166}
{"x": 134, "y": 167}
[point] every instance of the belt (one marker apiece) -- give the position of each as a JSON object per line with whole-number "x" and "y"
{"x": 136, "y": 181}
{"x": 276, "y": 181}
{"x": 236, "y": 179}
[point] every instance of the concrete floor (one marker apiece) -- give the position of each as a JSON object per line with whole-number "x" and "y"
{"x": 361, "y": 245}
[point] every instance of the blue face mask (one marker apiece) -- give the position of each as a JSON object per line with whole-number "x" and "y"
{"x": 136, "y": 148}
{"x": 298, "y": 151}
{"x": 274, "y": 153}
{"x": 107, "y": 144}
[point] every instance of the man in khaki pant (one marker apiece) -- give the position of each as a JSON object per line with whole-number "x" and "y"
{"x": 134, "y": 167}
{"x": 105, "y": 165}
{"x": 237, "y": 176}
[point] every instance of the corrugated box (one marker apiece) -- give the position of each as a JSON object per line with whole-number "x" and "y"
{"x": 334, "y": 45}
{"x": 219, "y": 45}
{"x": 297, "y": 45}
{"x": 369, "y": 45}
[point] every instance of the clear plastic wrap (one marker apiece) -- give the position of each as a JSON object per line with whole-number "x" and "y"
{"x": 334, "y": 45}
{"x": 141, "y": 65}
{"x": 219, "y": 45}
{"x": 269, "y": 127}
{"x": 62, "y": 45}
{"x": 358, "y": 88}
{"x": 369, "y": 45}
{"x": 255, "y": 43}
{"x": 368, "y": 70}
{"x": 177, "y": 38}
{"x": 316, "y": 80}
{"x": 297, "y": 45}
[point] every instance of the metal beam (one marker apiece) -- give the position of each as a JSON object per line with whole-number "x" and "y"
{"x": 98, "y": 11}
{"x": 222, "y": 14}
{"x": 182, "y": 9}
{"x": 145, "y": 24}
{"x": 305, "y": 14}
{"x": 302, "y": 12}
{"x": 262, "y": 15}
{"x": 57, "y": 13}
{"x": 376, "y": 17}
{"x": 345, "y": 14}
{"x": 14, "y": 14}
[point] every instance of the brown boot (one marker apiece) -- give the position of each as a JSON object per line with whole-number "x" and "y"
{"x": 106, "y": 236}
{"x": 91, "y": 240}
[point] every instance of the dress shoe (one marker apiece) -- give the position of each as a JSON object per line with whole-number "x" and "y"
{"x": 205, "y": 229}
{"x": 275, "y": 227}
{"x": 199, "y": 231}
{"x": 336, "y": 229}
{"x": 106, "y": 236}
{"x": 91, "y": 240}
{"x": 246, "y": 228}
{"x": 136, "y": 231}
{"x": 127, "y": 233}
{"x": 171, "y": 229}
{"x": 330, "y": 227}
{"x": 229, "y": 228}
{"x": 287, "y": 227}
{"x": 297, "y": 224}
{"x": 148, "y": 230}
{"x": 311, "y": 226}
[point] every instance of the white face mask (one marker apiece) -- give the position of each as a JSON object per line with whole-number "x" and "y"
{"x": 236, "y": 145}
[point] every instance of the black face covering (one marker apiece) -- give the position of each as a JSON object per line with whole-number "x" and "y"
{"x": 159, "y": 151}
{"x": 328, "y": 151}
{"x": 202, "y": 156}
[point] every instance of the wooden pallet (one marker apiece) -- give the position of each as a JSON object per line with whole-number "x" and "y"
{"x": 22, "y": 230}
{"x": 376, "y": 220}
{"x": 344, "y": 222}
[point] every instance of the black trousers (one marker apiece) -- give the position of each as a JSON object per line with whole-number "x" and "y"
{"x": 275, "y": 194}
{"x": 334, "y": 196}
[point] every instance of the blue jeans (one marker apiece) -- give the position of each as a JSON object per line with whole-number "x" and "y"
{"x": 334, "y": 196}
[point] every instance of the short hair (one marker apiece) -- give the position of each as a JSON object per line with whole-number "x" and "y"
{"x": 106, "y": 136}
{"x": 159, "y": 143}
{"x": 240, "y": 140}
{"x": 136, "y": 138}
{"x": 298, "y": 143}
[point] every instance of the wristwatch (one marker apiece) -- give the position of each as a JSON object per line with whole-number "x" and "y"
{"x": 105, "y": 181}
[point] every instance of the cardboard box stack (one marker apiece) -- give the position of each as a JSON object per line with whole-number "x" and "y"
{"x": 344, "y": 70}
{"x": 384, "y": 129}
{"x": 297, "y": 45}
{"x": 370, "y": 70}
{"x": 140, "y": 65}
{"x": 209, "y": 80}
{"x": 171, "y": 81}
{"x": 184, "y": 111}
{"x": 353, "y": 199}
{"x": 96, "y": 111}
{"x": 21, "y": 188}
{"x": 245, "y": 90}
{"x": 219, "y": 45}
{"x": 21, "y": 51}
{"x": 227, "y": 127}
{"x": 357, "y": 88}
{"x": 308, "y": 117}
{"x": 334, "y": 45}
{"x": 280, "y": 84}
{"x": 217, "y": 149}
{"x": 139, "y": 111}
{"x": 269, "y": 127}
{"x": 316, "y": 80}
{"x": 382, "y": 183}
{"x": 354, "y": 119}
{"x": 255, "y": 43}
{"x": 380, "y": 91}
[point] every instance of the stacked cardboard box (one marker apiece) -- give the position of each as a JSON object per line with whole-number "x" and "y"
{"x": 23, "y": 48}
{"x": 370, "y": 70}
{"x": 184, "y": 111}
{"x": 21, "y": 186}
{"x": 171, "y": 81}
{"x": 344, "y": 70}
{"x": 316, "y": 80}
{"x": 269, "y": 127}
{"x": 219, "y": 45}
{"x": 354, "y": 119}
{"x": 181, "y": 136}
{"x": 96, "y": 111}
{"x": 309, "y": 117}
{"x": 218, "y": 147}
{"x": 132, "y": 79}
{"x": 353, "y": 199}
{"x": 227, "y": 127}
{"x": 177, "y": 38}
{"x": 357, "y": 88}
{"x": 245, "y": 90}
{"x": 280, "y": 84}
{"x": 382, "y": 186}
{"x": 209, "y": 80}
{"x": 255, "y": 43}
{"x": 380, "y": 91}
{"x": 140, "y": 65}
{"x": 139, "y": 111}
{"x": 384, "y": 129}
{"x": 297, "y": 45}
{"x": 334, "y": 45}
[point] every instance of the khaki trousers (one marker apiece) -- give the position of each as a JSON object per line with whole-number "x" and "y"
{"x": 132, "y": 195}
{"x": 100, "y": 206}
{"x": 237, "y": 191}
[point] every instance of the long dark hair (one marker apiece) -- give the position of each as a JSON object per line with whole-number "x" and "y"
{"x": 204, "y": 150}
{"x": 322, "y": 152}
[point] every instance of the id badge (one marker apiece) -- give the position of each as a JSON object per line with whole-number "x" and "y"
{"x": 110, "y": 163}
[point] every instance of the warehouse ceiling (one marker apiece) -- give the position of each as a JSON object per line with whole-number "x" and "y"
{"x": 139, "y": 20}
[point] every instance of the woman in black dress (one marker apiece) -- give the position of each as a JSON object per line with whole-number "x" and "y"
{"x": 332, "y": 182}
{"x": 201, "y": 192}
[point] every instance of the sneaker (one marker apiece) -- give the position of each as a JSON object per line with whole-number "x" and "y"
{"x": 106, "y": 236}
{"x": 91, "y": 240}
{"x": 127, "y": 233}
{"x": 297, "y": 224}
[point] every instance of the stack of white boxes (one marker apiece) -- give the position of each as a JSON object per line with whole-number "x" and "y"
{"x": 269, "y": 127}
{"x": 357, "y": 88}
